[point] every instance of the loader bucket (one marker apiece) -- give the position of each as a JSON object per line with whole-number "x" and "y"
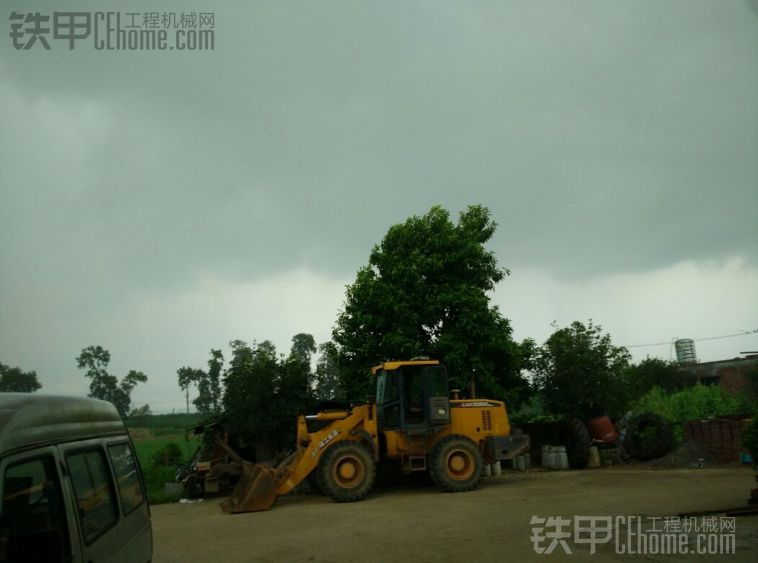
{"x": 255, "y": 491}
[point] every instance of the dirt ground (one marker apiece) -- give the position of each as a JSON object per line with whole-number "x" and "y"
{"x": 424, "y": 524}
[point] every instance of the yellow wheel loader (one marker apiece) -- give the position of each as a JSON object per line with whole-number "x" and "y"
{"x": 413, "y": 422}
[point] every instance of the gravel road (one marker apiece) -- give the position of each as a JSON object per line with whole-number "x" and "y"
{"x": 423, "y": 524}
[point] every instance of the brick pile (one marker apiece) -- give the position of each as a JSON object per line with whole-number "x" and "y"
{"x": 721, "y": 438}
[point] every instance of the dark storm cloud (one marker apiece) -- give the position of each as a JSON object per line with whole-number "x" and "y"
{"x": 605, "y": 137}
{"x": 591, "y": 129}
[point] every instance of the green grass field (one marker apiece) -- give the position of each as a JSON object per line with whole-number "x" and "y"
{"x": 146, "y": 448}
{"x": 150, "y": 433}
{"x": 156, "y": 476}
{"x": 165, "y": 424}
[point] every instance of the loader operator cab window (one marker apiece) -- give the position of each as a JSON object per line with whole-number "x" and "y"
{"x": 414, "y": 395}
{"x": 437, "y": 380}
{"x": 388, "y": 395}
{"x": 413, "y": 380}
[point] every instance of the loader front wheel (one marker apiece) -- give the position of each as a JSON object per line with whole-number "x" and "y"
{"x": 347, "y": 472}
{"x": 456, "y": 464}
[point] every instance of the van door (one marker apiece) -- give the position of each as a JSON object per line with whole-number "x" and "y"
{"x": 34, "y": 520}
{"x": 136, "y": 530}
{"x": 94, "y": 495}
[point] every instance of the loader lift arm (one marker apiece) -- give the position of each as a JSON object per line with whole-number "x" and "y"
{"x": 261, "y": 484}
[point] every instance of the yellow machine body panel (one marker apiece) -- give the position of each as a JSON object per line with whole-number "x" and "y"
{"x": 479, "y": 417}
{"x": 473, "y": 418}
{"x": 392, "y": 366}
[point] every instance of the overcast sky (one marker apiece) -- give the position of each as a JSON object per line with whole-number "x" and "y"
{"x": 163, "y": 203}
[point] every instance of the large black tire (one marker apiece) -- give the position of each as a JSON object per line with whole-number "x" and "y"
{"x": 455, "y": 464}
{"x": 648, "y": 436}
{"x": 346, "y": 472}
{"x": 578, "y": 442}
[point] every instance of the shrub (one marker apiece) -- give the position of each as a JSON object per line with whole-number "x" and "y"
{"x": 156, "y": 476}
{"x": 696, "y": 402}
{"x": 532, "y": 411}
{"x": 700, "y": 401}
{"x": 169, "y": 455}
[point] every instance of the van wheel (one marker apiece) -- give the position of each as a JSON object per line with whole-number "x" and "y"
{"x": 456, "y": 464}
{"x": 346, "y": 472}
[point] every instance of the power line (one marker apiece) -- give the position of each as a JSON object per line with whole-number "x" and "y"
{"x": 669, "y": 342}
{"x": 651, "y": 344}
{"x": 728, "y": 335}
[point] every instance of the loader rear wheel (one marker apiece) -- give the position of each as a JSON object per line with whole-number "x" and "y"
{"x": 456, "y": 464}
{"x": 347, "y": 472}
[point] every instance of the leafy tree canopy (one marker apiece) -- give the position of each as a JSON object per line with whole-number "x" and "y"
{"x": 654, "y": 372}
{"x": 579, "y": 368}
{"x": 94, "y": 360}
{"x": 211, "y": 389}
{"x": 303, "y": 347}
{"x": 144, "y": 410}
{"x": 425, "y": 292}
{"x": 264, "y": 392}
{"x": 328, "y": 387}
{"x": 187, "y": 377}
{"x": 208, "y": 400}
{"x": 14, "y": 380}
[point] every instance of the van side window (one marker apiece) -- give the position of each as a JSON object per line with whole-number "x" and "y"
{"x": 33, "y": 507}
{"x": 127, "y": 477}
{"x": 94, "y": 493}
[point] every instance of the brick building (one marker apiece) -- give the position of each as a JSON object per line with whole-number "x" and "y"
{"x": 737, "y": 376}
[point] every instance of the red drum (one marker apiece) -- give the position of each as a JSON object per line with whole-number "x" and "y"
{"x": 602, "y": 429}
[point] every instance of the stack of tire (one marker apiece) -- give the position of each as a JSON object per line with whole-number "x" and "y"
{"x": 647, "y": 436}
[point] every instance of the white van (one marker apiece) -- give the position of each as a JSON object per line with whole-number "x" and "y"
{"x": 70, "y": 484}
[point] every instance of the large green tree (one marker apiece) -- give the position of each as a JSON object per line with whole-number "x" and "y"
{"x": 94, "y": 361}
{"x": 213, "y": 394}
{"x": 426, "y": 292}
{"x": 303, "y": 347}
{"x": 264, "y": 392}
{"x": 14, "y": 380}
{"x": 249, "y": 393}
{"x": 187, "y": 377}
{"x": 208, "y": 383}
{"x": 294, "y": 385}
{"x": 654, "y": 372}
{"x": 327, "y": 378}
{"x": 578, "y": 369}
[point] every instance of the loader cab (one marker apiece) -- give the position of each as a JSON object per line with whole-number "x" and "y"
{"x": 412, "y": 395}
